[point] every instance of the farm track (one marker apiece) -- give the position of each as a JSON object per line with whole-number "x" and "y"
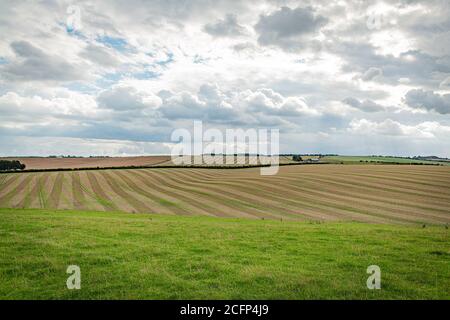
{"x": 366, "y": 193}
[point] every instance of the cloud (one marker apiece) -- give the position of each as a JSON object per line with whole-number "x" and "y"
{"x": 288, "y": 28}
{"x": 427, "y": 130}
{"x": 44, "y": 146}
{"x": 272, "y": 103}
{"x": 33, "y": 64}
{"x": 99, "y": 55}
{"x": 183, "y": 106}
{"x": 247, "y": 107}
{"x": 428, "y": 100}
{"x": 124, "y": 98}
{"x": 366, "y": 105}
{"x": 371, "y": 74}
{"x": 419, "y": 67}
{"x": 208, "y": 104}
{"x": 445, "y": 84}
{"x": 227, "y": 27}
{"x": 35, "y": 109}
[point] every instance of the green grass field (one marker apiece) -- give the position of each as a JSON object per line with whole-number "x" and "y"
{"x": 375, "y": 159}
{"x": 158, "y": 257}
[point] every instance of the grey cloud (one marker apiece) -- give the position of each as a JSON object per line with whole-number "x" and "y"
{"x": 371, "y": 74}
{"x": 208, "y": 105}
{"x": 94, "y": 130}
{"x": 245, "y": 47}
{"x": 33, "y": 64}
{"x": 225, "y": 27}
{"x": 366, "y": 105}
{"x": 288, "y": 28}
{"x": 183, "y": 106}
{"x": 428, "y": 100}
{"x": 125, "y": 98}
{"x": 430, "y": 28}
{"x": 445, "y": 84}
{"x": 99, "y": 55}
{"x": 421, "y": 68}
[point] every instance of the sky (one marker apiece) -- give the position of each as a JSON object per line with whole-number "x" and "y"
{"x": 118, "y": 77}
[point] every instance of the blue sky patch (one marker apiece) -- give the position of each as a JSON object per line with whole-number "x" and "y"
{"x": 119, "y": 44}
{"x": 109, "y": 79}
{"x": 81, "y": 87}
{"x": 145, "y": 75}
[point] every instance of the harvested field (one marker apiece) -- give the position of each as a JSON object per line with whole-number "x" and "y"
{"x": 70, "y": 163}
{"x": 226, "y": 160}
{"x": 371, "y": 193}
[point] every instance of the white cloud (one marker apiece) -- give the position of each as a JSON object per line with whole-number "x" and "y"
{"x": 428, "y": 130}
{"x": 126, "y": 98}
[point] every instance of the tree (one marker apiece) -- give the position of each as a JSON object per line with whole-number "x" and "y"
{"x": 296, "y": 157}
{"x": 11, "y": 165}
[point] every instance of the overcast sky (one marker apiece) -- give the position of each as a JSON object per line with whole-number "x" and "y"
{"x": 347, "y": 77}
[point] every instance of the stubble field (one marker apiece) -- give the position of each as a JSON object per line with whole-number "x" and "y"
{"x": 369, "y": 193}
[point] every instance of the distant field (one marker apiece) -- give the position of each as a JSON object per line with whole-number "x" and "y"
{"x": 42, "y": 163}
{"x": 369, "y": 193}
{"x": 359, "y": 159}
{"x": 226, "y": 160}
{"x": 124, "y": 256}
{"x": 64, "y": 163}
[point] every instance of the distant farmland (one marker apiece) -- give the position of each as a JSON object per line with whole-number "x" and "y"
{"x": 65, "y": 163}
{"x": 370, "y": 193}
{"x": 380, "y": 159}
